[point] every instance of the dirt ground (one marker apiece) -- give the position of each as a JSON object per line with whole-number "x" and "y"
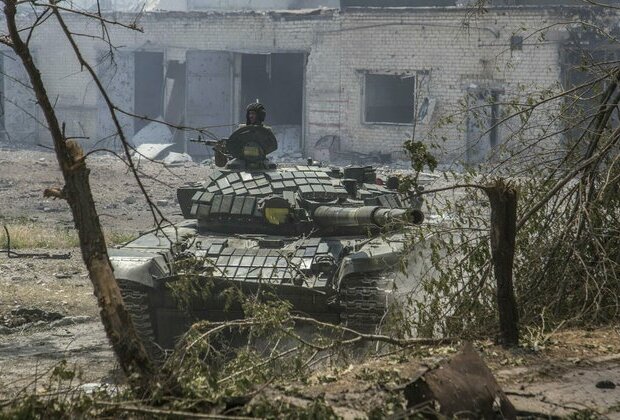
{"x": 47, "y": 309}
{"x": 25, "y": 173}
{"x": 48, "y": 312}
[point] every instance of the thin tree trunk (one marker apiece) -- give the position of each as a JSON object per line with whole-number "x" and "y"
{"x": 117, "y": 323}
{"x": 503, "y": 199}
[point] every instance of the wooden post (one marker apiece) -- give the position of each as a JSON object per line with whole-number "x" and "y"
{"x": 503, "y": 199}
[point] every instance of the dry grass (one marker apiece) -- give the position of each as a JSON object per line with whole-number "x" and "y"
{"x": 36, "y": 235}
{"x": 41, "y": 283}
{"x": 48, "y": 284}
{"x": 68, "y": 296}
{"x": 26, "y": 234}
{"x": 116, "y": 238}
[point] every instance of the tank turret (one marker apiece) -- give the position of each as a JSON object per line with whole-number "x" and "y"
{"x": 251, "y": 195}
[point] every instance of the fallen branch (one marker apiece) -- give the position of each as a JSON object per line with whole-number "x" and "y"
{"x": 362, "y": 337}
{"x": 162, "y": 412}
{"x": 266, "y": 362}
{"x": 357, "y": 337}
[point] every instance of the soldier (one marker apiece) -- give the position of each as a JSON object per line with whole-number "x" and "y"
{"x": 253, "y": 131}
{"x": 255, "y": 114}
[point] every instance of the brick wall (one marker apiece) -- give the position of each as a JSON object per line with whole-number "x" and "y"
{"x": 433, "y": 44}
{"x": 448, "y": 57}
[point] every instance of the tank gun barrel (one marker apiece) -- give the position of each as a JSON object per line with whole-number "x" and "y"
{"x": 366, "y": 215}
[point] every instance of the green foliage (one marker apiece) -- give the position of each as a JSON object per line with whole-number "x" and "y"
{"x": 27, "y": 234}
{"x": 420, "y": 158}
{"x": 456, "y": 294}
{"x": 57, "y": 396}
{"x": 567, "y": 259}
{"x": 585, "y": 414}
{"x": 568, "y": 263}
{"x": 566, "y": 267}
{"x": 194, "y": 283}
{"x": 212, "y": 364}
{"x": 565, "y": 270}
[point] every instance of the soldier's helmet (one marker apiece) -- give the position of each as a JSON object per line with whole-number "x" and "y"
{"x": 260, "y": 111}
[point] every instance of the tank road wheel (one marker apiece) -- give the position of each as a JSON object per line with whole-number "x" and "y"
{"x": 136, "y": 300}
{"x": 364, "y": 298}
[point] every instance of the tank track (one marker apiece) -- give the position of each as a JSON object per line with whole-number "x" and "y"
{"x": 364, "y": 298}
{"x": 136, "y": 301}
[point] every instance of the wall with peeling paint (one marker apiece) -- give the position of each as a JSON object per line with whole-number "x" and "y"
{"x": 447, "y": 59}
{"x": 260, "y": 4}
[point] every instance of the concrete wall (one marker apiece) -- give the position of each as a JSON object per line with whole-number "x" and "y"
{"x": 21, "y": 113}
{"x": 430, "y": 44}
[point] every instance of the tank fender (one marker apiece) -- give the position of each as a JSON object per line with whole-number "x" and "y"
{"x": 143, "y": 269}
{"x": 371, "y": 258}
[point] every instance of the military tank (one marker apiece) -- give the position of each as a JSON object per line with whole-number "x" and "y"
{"x": 321, "y": 238}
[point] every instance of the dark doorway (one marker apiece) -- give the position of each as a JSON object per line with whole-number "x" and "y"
{"x": 149, "y": 86}
{"x": 276, "y": 80}
{"x": 174, "y": 110}
{"x": 208, "y": 97}
{"x": 483, "y": 117}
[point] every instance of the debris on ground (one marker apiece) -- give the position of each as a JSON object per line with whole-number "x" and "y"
{"x": 130, "y": 200}
{"x": 177, "y": 159}
{"x": 461, "y": 384}
{"x": 152, "y": 151}
{"x": 573, "y": 372}
{"x": 606, "y": 384}
{"x": 161, "y": 153}
{"x": 19, "y": 317}
{"x": 66, "y": 274}
{"x": 153, "y": 132}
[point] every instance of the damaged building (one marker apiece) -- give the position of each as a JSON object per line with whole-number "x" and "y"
{"x": 336, "y": 77}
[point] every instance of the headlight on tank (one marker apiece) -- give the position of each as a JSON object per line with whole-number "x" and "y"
{"x": 276, "y": 210}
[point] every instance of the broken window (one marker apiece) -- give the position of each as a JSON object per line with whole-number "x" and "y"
{"x": 388, "y": 98}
